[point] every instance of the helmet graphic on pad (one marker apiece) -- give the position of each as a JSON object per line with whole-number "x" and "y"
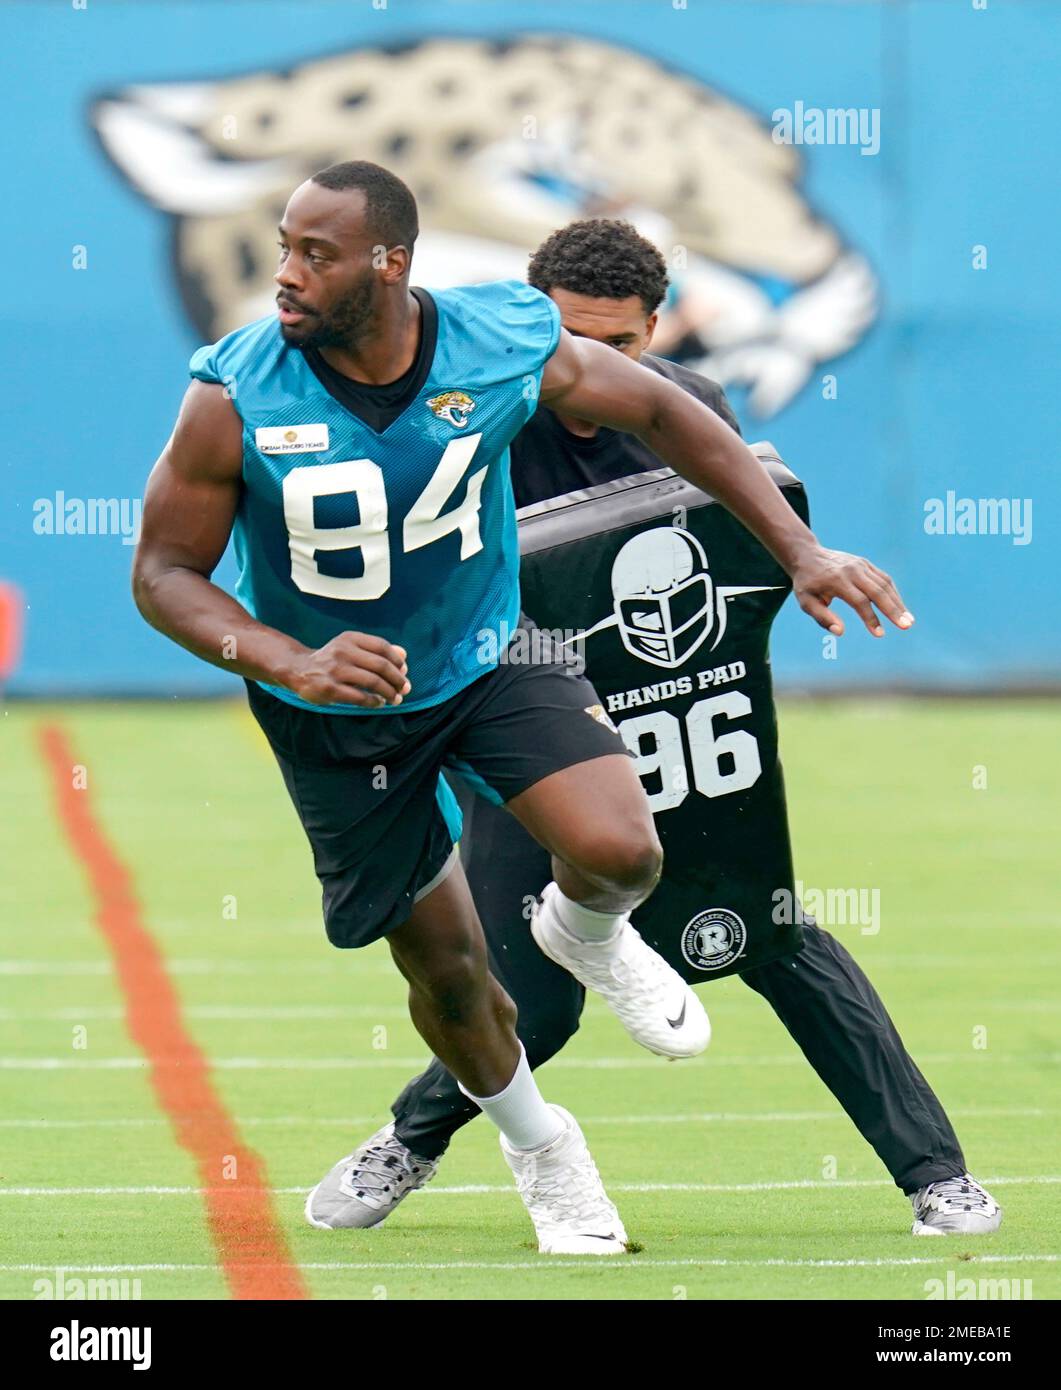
{"x": 664, "y": 598}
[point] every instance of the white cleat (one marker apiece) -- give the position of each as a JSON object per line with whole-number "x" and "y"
{"x": 955, "y": 1207}
{"x": 564, "y": 1195}
{"x": 650, "y": 999}
{"x": 364, "y": 1187}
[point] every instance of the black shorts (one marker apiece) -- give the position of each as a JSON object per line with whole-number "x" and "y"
{"x": 381, "y": 820}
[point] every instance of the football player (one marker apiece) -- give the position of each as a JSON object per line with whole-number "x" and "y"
{"x": 355, "y": 444}
{"x": 593, "y": 541}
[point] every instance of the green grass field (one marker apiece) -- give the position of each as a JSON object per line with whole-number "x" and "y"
{"x": 721, "y": 1166}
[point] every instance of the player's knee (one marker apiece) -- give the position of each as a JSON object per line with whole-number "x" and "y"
{"x": 629, "y": 861}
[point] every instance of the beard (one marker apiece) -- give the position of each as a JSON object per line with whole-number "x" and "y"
{"x": 343, "y": 326}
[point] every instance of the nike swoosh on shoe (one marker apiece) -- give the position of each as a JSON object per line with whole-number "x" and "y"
{"x": 677, "y": 1022}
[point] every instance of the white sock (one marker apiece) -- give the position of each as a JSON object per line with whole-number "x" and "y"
{"x": 519, "y": 1111}
{"x": 583, "y": 923}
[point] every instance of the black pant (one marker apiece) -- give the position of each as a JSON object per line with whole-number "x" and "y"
{"x": 821, "y": 996}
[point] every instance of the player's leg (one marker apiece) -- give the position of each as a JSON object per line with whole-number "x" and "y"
{"x": 465, "y": 1016}
{"x": 504, "y": 867}
{"x": 840, "y": 1023}
{"x": 594, "y": 819}
{"x": 384, "y": 851}
{"x": 541, "y": 744}
{"x": 457, "y": 1006}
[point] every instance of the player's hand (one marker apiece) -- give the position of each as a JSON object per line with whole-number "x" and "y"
{"x": 354, "y": 668}
{"x": 827, "y": 574}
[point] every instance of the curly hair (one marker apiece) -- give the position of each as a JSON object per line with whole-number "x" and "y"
{"x": 602, "y": 257}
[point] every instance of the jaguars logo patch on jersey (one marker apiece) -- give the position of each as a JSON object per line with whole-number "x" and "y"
{"x": 454, "y": 407}
{"x": 601, "y": 715}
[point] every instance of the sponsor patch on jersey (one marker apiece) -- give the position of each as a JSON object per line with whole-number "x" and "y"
{"x": 600, "y": 714}
{"x": 713, "y": 939}
{"x": 453, "y": 406}
{"x": 291, "y": 439}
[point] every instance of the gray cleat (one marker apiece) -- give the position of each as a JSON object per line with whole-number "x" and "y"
{"x": 364, "y": 1187}
{"x": 955, "y": 1207}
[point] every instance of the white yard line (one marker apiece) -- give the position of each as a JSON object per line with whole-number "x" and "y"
{"x": 777, "y": 1117}
{"x": 295, "y": 1013}
{"x": 299, "y": 1013}
{"x": 355, "y": 1121}
{"x": 490, "y": 1189}
{"x": 206, "y": 966}
{"x": 569, "y": 1262}
{"x": 633, "y": 1063}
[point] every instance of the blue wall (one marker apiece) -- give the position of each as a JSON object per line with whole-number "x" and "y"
{"x": 951, "y": 388}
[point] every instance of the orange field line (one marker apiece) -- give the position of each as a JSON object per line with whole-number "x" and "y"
{"x": 251, "y": 1247}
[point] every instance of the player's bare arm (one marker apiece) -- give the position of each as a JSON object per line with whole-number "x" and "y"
{"x": 592, "y": 382}
{"x": 189, "y": 507}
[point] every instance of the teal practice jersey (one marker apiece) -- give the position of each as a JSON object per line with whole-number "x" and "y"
{"x": 408, "y": 533}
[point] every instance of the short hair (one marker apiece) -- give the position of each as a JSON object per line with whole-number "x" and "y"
{"x": 390, "y": 204}
{"x": 602, "y": 257}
